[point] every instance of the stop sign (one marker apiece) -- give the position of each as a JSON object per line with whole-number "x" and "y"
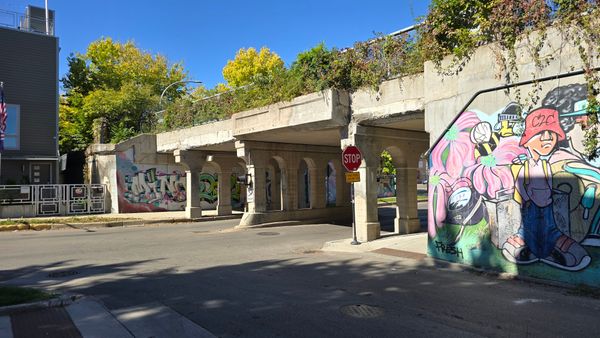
{"x": 351, "y": 158}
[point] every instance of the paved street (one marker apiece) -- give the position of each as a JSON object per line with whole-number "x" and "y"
{"x": 275, "y": 282}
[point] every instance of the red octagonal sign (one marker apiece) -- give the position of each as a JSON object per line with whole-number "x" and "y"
{"x": 351, "y": 158}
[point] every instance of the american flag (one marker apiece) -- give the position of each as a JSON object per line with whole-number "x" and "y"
{"x": 3, "y": 116}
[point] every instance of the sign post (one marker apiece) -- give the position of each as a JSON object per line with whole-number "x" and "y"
{"x": 351, "y": 159}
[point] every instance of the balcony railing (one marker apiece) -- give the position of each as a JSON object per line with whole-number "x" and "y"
{"x": 23, "y": 22}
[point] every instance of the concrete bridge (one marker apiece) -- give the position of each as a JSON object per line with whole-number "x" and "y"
{"x": 290, "y": 149}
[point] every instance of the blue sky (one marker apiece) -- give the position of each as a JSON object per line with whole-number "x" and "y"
{"x": 205, "y": 34}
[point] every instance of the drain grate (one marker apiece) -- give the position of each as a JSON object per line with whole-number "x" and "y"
{"x": 201, "y": 232}
{"x": 362, "y": 311}
{"x": 268, "y": 233}
{"x": 66, "y": 273}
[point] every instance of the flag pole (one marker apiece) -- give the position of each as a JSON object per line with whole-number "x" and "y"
{"x": 47, "y": 17}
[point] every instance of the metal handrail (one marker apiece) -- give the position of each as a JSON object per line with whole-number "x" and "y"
{"x": 15, "y": 20}
{"x": 507, "y": 86}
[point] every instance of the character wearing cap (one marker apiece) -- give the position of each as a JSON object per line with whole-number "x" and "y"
{"x": 539, "y": 237}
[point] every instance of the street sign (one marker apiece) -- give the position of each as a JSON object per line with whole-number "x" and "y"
{"x": 353, "y": 176}
{"x": 351, "y": 158}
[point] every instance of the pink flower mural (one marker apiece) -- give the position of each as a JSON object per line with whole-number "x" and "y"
{"x": 455, "y": 150}
{"x": 440, "y": 184}
{"x": 491, "y": 174}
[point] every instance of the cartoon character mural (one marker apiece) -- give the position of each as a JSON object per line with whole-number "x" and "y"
{"x": 517, "y": 180}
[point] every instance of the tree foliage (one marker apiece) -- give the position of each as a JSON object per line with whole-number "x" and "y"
{"x": 117, "y": 81}
{"x": 250, "y": 65}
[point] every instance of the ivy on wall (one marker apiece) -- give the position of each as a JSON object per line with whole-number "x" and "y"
{"x": 458, "y": 27}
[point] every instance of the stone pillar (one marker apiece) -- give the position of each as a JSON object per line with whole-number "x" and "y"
{"x": 318, "y": 185}
{"x": 224, "y": 192}
{"x": 276, "y": 189}
{"x": 407, "y": 220}
{"x": 365, "y": 204}
{"x": 192, "y": 161}
{"x": 256, "y": 191}
{"x": 289, "y": 189}
{"x": 342, "y": 189}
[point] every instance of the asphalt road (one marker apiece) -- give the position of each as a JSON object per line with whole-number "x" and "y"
{"x": 274, "y": 282}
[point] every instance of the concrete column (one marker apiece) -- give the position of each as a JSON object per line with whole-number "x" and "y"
{"x": 289, "y": 189}
{"x": 224, "y": 192}
{"x": 193, "y": 208}
{"x": 276, "y": 190}
{"x": 318, "y": 188}
{"x": 256, "y": 192}
{"x": 407, "y": 220}
{"x": 365, "y": 204}
{"x": 342, "y": 189}
{"x": 192, "y": 161}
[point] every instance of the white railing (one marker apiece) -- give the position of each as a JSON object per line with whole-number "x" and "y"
{"x": 56, "y": 199}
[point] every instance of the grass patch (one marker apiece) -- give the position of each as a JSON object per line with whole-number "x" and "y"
{"x": 63, "y": 220}
{"x": 392, "y": 200}
{"x": 12, "y": 295}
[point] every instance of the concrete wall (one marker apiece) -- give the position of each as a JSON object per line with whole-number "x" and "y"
{"x": 139, "y": 179}
{"x": 207, "y": 134}
{"x": 446, "y": 95}
{"x": 517, "y": 195}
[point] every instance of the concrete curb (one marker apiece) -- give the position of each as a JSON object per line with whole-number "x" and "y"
{"x": 111, "y": 224}
{"x": 62, "y": 300}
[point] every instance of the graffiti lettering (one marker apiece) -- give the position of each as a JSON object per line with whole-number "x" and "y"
{"x": 543, "y": 120}
{"x": 449, "y": 249}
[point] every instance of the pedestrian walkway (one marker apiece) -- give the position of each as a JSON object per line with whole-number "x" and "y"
{"x": 415, "y": 244}
{"x": 87, "y": 317}
{"x": 109, "y": 220}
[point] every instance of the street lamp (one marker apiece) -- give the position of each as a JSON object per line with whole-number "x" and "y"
{"x": 161, "y": 97}
{"x": 172, "y": 84}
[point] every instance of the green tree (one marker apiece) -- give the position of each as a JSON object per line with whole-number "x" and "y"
{"x": 117, "y": 81}
{"x": 250, "y": 66}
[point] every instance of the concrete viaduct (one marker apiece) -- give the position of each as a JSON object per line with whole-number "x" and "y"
{"x": 305, "y": 134}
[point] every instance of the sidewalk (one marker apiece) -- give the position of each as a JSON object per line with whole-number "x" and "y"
{"x": 87, "y": 317}
{"x": 112, "y": 220}
{"x": 409, "y": 246}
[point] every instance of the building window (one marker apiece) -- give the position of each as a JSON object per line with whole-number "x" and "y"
{"x": 13, "y": 127}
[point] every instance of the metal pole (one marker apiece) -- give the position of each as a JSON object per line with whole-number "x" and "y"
{"x": 47, "y": 17}
{"x": 354, "y": 241}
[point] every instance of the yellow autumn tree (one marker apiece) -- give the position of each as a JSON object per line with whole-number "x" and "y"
{"x": 250, "y": 64}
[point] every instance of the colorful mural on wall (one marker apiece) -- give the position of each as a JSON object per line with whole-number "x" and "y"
{"x": 511, "y": 191}
{"x": 144, "y": 188}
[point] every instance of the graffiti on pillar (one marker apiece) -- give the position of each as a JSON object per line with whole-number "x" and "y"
{"x": 331, "y": 187}
{"x": 511, "y": 190}
{"x": 149, "y": 188}
{"x": 209, "y": 187}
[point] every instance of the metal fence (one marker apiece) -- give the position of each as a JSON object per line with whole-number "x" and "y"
{"x": 56, "y": 199}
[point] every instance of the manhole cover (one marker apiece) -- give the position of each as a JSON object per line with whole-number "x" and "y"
{"x": 59, "y": 274}
{"x": 268, "y": 233}
{"x": 362, "y": 311}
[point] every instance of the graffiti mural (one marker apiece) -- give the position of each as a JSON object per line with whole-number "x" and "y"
{"x": 148, "y": 188}
{"x": 144, "y": 188}
{"x": 511, "y": 190}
